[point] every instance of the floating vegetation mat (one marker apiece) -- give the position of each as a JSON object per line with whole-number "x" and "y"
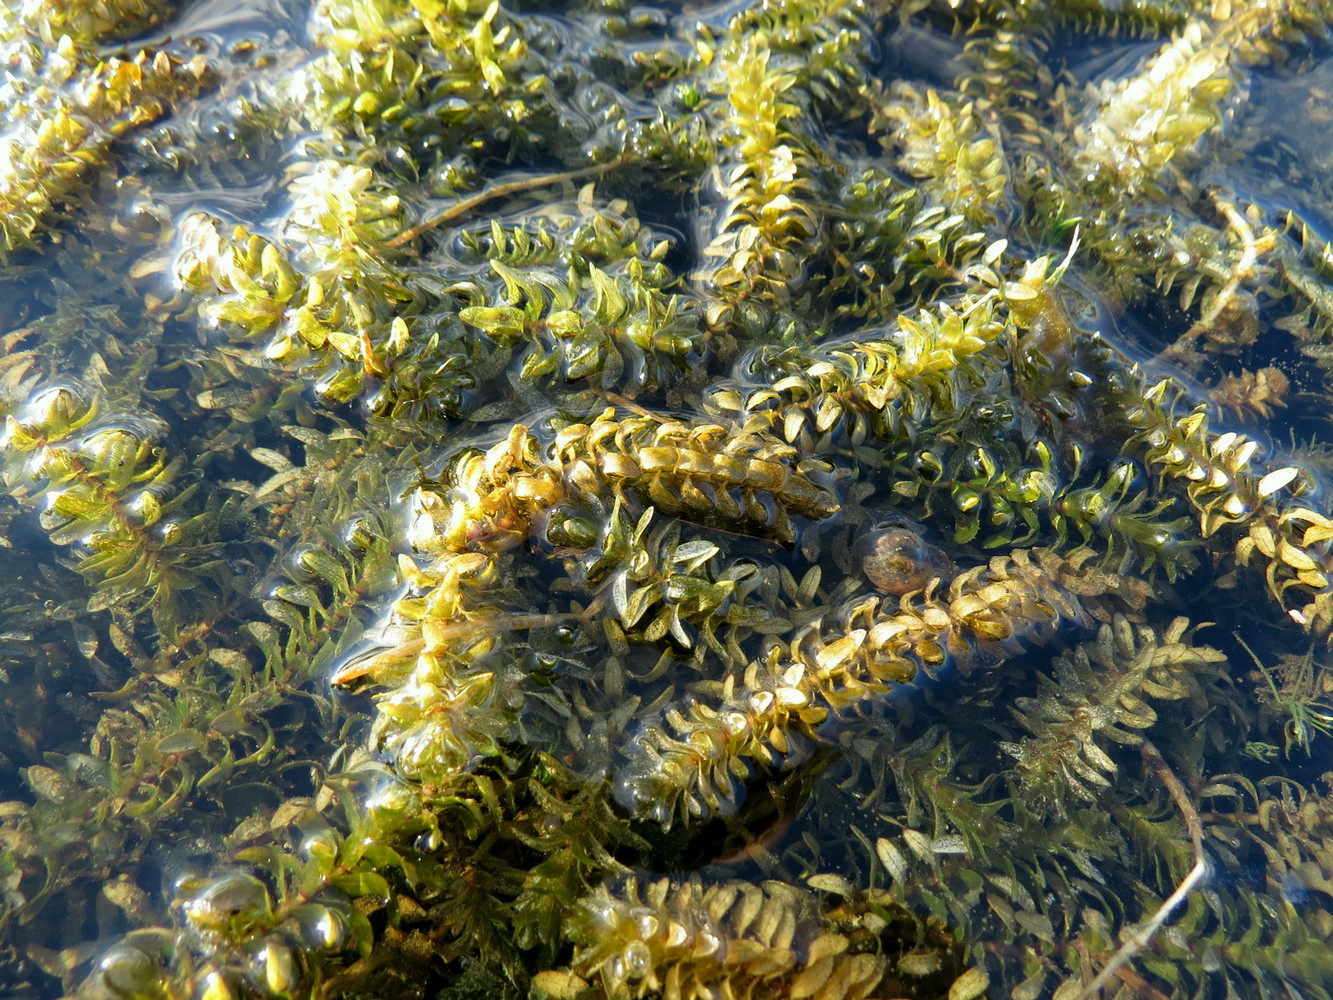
{"x": 812, "y": 499}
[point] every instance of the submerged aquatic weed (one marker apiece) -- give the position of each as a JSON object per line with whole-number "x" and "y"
{"x": 656, "y": 501}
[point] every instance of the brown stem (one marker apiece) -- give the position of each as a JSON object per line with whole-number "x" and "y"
{"x": 463, "y": 206}
{"x": 1143, "y": 936}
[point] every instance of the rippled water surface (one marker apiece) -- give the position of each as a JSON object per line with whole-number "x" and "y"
{"x": 793, "y": 500}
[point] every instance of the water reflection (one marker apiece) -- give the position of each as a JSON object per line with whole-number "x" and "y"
{"x": 775, "y": 515}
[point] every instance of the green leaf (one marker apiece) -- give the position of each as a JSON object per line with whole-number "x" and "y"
{"x": 970, "y": 985}
{"x": 357, "y": 884}
{"x": 640, "y": 601}
{"x": 694, "y": 554}
{"x": 184, "y": 741}
{"x": 496, "y": 321}
{"x": 361, "y": 933}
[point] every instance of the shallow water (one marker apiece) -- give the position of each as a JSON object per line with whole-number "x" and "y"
{"x": 415, "y": 595}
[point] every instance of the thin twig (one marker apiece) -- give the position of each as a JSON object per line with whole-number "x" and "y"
{"x": 1142, "y": 937}
{"x": 616, "y": 399}
{"x": 463, "y": 206}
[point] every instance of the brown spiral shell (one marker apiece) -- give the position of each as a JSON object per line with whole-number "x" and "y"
{"x": 897, "y": 560}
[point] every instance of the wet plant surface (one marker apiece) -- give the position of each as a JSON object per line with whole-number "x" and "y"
{"x": 792, "y": 500}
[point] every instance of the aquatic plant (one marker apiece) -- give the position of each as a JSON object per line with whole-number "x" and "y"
{"x": 629, "y": 502}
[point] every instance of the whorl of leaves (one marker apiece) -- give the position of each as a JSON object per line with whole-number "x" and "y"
{"x": 552, "y": 375}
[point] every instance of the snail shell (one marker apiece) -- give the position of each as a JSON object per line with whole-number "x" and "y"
{"x": 897, "y": 560}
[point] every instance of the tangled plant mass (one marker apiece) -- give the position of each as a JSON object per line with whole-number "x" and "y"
{"x": 816, "y": 499}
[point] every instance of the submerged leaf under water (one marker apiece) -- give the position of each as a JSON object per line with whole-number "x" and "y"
{"x": 665, "y": 501}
